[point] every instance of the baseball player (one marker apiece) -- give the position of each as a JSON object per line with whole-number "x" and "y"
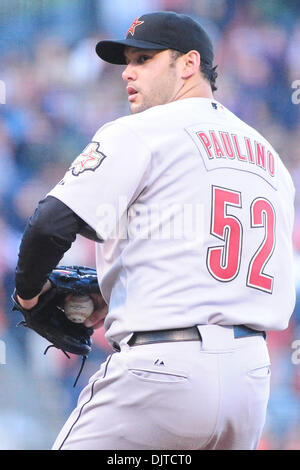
{"x": 192, "y": 213}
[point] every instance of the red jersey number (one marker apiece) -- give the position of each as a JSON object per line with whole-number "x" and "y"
{"x": 224, "y": 261}
{"x": 262, "y": 215}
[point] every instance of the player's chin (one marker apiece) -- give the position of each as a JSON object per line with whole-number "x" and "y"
{"x": 137, "y": 106}
{"x": 134, "y": 108}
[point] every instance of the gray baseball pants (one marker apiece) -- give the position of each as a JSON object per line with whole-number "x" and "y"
{"x": 189, "y": 395}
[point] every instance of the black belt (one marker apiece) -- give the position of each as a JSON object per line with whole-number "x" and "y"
{"x": 184, "y": 334}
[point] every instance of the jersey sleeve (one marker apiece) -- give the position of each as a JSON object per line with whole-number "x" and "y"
{"x": 105, "y": 178}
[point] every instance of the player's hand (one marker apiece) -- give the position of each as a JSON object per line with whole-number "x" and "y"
{"x": 96, "y": 319}
{"x": 31, "y": 303}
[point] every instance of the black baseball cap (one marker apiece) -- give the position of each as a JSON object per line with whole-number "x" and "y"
{"x": 161, "y": 30}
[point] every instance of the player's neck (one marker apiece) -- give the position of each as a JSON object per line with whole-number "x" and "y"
{"x": 194, "y": 89}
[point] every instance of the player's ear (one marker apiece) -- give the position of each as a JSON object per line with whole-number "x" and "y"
{"x": 191, "y": 64}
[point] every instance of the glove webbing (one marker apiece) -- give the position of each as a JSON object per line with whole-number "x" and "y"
{"x": 84, "y": 358}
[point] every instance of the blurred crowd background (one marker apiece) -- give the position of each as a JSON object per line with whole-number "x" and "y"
{"x": 58, "y": 93}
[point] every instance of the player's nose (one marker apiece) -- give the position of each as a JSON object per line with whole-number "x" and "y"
{"x": 129, "y": 73}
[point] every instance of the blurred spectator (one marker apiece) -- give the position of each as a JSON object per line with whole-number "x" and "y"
{"x": 116, "y": 17}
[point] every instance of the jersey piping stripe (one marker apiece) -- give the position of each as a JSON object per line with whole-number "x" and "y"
{"x": 81, "y": 409}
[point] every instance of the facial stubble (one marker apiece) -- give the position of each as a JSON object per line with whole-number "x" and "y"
{"x": 161, "y": 92}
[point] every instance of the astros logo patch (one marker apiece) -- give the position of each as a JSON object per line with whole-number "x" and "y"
{"x": 90, "y": 159}
{"x": 135, "y": 23}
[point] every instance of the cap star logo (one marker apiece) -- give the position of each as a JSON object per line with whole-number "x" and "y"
{"x": 90, "y": 159}
{"x": 135, "y": 23}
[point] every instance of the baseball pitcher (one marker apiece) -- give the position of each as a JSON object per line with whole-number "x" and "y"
{"x": 192, "y": 214}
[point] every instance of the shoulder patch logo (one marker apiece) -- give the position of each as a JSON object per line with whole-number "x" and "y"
{"x": 90, "y": 159}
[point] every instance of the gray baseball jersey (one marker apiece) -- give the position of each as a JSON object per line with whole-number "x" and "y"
{"x": 196, "y": 210}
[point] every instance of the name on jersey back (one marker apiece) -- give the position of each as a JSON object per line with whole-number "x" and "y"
{"x": 220, "y": 149}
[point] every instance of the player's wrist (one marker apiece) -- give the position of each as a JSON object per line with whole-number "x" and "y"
{"x": 28, "y": 304}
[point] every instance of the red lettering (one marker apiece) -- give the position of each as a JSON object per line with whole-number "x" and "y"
{"x": 260, "y": 155}
{"x": 249, "y": 150}
{"x": 206, "y": 143}
{"x": 237, "y": 147}
{"x": 217, "y": 146}
{"x": 227, "y": 145}
{"x": 271, "y": 163}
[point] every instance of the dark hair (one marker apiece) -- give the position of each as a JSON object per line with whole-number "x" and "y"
{"x": 208, "y": 72}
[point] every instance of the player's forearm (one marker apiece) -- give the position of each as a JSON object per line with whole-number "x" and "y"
{"x": 49, "y": 234}
{"x": 38, "y": 256}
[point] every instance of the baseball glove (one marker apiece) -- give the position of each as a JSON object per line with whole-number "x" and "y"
{"x": 48, "y": 319}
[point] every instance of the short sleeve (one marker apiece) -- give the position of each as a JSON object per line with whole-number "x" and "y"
{"x": 105, "y": 178}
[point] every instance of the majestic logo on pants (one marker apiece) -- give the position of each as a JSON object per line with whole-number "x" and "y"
{"x": 90, "y": 159}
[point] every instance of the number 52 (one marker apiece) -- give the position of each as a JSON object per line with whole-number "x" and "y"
{"x": 223, "y": 262}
